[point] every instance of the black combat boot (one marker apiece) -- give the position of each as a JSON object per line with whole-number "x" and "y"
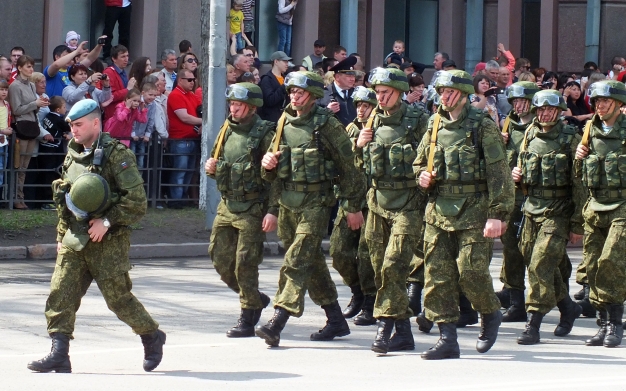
{"x": 58, "y": 360}
{"x": 383, "y": 334}
{"x": 598, "y": 339}
{"x": 271, "y": 331}
{"x": 570, "y": 311}
{"x": 152, "y": 349}
{"x": 588, "y": 310}
{"x": 447, "y": 346}
{"x": 581, "y": 293}
{"x": 366, "y": 316}
{"x": 402, "y": 339}
{"x": 614, "y": 325}
{"x": 467, "y": 315}
{"x": 530, "y": 336}
{"x": 504, "y": 296}
{"x": 489, "y": 325}
{"x": 516, "y": 312}
{"x": 257, "y": 313}
{"x": 424, "y": 325}
{"x": 245, "y": 325}
{"x": 356, "y": 302}
{"x": 336, "y": 325}
{"x": 414, "y": 291}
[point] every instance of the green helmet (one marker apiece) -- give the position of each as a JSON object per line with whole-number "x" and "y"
{"x": 457, "y": 79}
{"x": 308, "y": 81}
{"x": 245, "y": 92}
{"x": 89, "y": 195}
{"x": 390, "y": 77}
{"x": 608, "y": 89}
{"x": 521, "y": 90}
{"x": 548, "y": 98}
{"x": 364, "y": 94}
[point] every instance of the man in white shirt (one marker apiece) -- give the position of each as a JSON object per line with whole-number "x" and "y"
{"x": 169, "y": 62}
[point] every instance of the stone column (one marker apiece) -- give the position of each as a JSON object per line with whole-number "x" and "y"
{"x": 349, "y": 24}
{"x": 549, "y": 35}
{"x": 305, "y": 29}
{"x": 375, "y": 37}
{"x": 452, "y": 30}
{"x": 510, "y": 25}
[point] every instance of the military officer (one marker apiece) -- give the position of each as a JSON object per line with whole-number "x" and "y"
{"x": 100, "y": 194}
{"x": 552, "y": 212}
{"x": 243, "y": 217}
{"x": 462, "y": 164}
{"x": 388, "y": 145}
{"x": 601, "y": 162}
{"x": 338, "y": 95}
{"x": 310, "y": 150}
{"x": 512, "y": 273}
{"x": 348, "y": 247}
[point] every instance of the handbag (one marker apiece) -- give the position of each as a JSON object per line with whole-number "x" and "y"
{"x": 27, "y": 130}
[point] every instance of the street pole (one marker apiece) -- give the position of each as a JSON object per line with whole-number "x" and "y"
{"x": 214, "y": 43}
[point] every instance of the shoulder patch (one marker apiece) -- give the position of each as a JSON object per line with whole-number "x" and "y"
{"x": 493, "y": 149}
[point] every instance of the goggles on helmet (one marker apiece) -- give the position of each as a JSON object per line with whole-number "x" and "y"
{"x": 382, "y": 75}
{"x": 238, "y": 92}
{"x": 547, "y": 100}
{"x": 79, "y": 213}
{"x": 300, "y": 80}
{"x": 362, "y": 93}
{"x": 604, "y": 90}
{"x": 446, "y": 79}
{"x": 517, "y": 91}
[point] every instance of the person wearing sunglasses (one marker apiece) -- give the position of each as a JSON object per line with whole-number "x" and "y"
{"x": 310, "y": 155}
{"x": 552, "y": 213}
{"x": 461, "y": 163}
{"x": 249, "y": 205}
{"x": 602, "y": 150}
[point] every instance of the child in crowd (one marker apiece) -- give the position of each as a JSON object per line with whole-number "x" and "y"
{"x": 237, "y": 35}
{"x": 5, "y": 131}
{"x": 398, "y": 48}
{"x": 142, "y": 131}
{"x": 127, "y": 112}
{"x": 51, "y": 153}
{"x": 71, "y": 39}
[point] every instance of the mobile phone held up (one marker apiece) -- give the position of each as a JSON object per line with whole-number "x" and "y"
{"x": 102, "y": 41}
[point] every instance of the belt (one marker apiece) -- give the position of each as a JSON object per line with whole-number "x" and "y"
{"x": 548, "y": 193}
{"x": 242, "y": 198}
{"x": 462, "y": 189}
{"x": 306, "y": 187}
{"x": 393, "y": 185}
{"x": 618, "y": 194}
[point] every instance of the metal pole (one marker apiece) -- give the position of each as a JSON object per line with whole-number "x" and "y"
{"x": 349, "y": 24}
{"x": 592, "y": 34}
{"x": 474, "y": 34}
{"x": 214, "y": 44}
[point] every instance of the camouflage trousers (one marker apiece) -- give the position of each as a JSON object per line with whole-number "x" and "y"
{"x": 581, "y": 270}
{"x": 457, "y": 260}
{"x": 544, "y": 246}
{"x": 350, "y": 255}
{"x": 604, "y": 248}
{"x": 73, "y": 273}
{"x": 304, "y": 267}
{"x": 236, "y": 249}
{"x": 393, "y": 241}
{"x": 513, "y": 268}
{"x": 416, "y": 273}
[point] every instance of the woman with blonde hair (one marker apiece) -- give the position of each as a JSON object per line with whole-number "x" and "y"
{"x": 329, "y": 78}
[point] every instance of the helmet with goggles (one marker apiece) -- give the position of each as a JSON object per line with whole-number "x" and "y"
{"x": 364, "y": 94}
{"x": 308, "y": 81}
{"x": 390, "y": 77}
{"x": 245, "y": 92}
{"x": 548, "y": 98}
{"x": 608, "y": 89}
{"x": 521, "y": 90}
{"x": 457, "y": 79}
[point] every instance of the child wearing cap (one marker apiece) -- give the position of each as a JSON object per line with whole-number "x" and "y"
{"x": 71, "y": 39}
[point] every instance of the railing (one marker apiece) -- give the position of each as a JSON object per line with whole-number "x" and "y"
{"x": 156, "y": 170}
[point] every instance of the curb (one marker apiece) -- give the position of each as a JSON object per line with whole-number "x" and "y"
{"x": 157, "y": 250}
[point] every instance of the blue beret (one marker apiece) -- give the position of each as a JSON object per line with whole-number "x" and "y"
{"x": 81, "y": 109}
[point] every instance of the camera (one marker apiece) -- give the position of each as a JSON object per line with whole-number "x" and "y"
{"x": 101, "y": 41}
{"x": 547, "y": 84}
{"x": 104, "y": 76}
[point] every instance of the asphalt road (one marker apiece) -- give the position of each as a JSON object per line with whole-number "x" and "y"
{"x": 195, "y": 309}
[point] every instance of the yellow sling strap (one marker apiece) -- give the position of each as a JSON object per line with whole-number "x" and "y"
{"x": 507, "y": 123}
{"x": 279, "y": 132}
{"x": 433, "y": 143}
{"x": 585, "y": 139}
{"x": 370, "y": 120}
{"x": 220, "y": 140}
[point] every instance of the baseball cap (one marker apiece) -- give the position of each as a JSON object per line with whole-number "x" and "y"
{"x": 280, "y": 56}
{"x": 319, "y": 43}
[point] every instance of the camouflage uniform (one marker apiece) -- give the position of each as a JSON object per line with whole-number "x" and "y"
{"x": 80, "y": 261}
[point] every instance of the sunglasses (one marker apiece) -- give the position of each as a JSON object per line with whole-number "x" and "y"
{"x": 189, "y": 79}
{"x": 192, "y": 60}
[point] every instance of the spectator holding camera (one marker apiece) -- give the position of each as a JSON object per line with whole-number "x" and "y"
{"x": 83, "y": 86}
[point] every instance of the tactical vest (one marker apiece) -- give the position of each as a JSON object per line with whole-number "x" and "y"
{"x": 238, "y": 172}
{"x": 459, "y": 161}
{"x": 604, "y": 169}
{"x": 547, "y": 164}
{"x": 305, "y": 165}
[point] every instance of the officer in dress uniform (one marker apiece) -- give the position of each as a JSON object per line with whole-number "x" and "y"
{"x": 338, "y": 95}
